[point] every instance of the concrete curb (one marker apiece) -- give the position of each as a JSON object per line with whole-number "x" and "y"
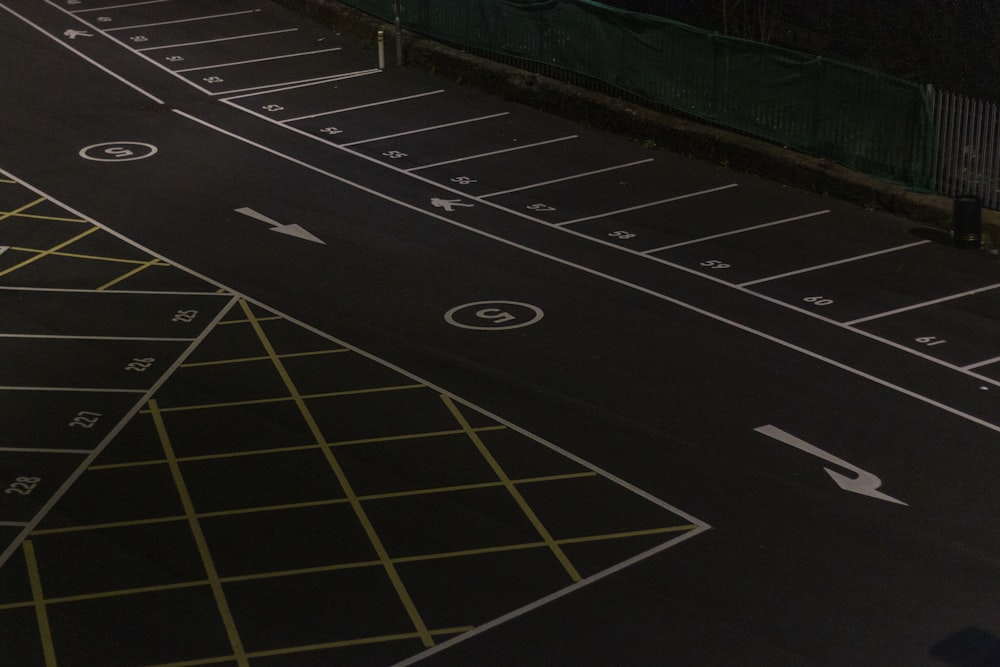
{"x": 666, "y": 131}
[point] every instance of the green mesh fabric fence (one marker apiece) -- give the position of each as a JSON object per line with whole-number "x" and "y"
{"x": 866, "y": 120}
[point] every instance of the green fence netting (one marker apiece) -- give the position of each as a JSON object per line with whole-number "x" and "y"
{"x": 867, "y": 120}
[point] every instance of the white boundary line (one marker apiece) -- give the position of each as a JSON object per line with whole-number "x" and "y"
{"x": 274, "y": 87}
{"x": 40, "y": 450}
{"x": 257, "y": 60}
{"x": 679, "y": 267}
{"x": 355, "y": 108}
{"x": 127, "y": 417}
{"x": 82, "y": 390}
{"x": 521, "y": 611}
{"x": 212, "y": 41}
{"x": 81, "y": 55}
{"x": 846, "y": 260}
{"x": 986, "y": 362}
{"x": 498, "y": 152}
{"x": 647, "y": 205}
{"x": 735, "y": 231}
{"x": 563, "y": 179}
{"x": 701, "y": 526}
{"x": 923, "y": 304}
{"x": 70, "y": 290}
{"x": 190, "y": 20}
{"x": 638, "y": 288}
{"x": 145, "y": 339}
{"x": 113, "y": 7}
{"x": 428, "y": 129}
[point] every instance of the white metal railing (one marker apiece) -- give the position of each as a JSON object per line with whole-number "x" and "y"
{"x": 966, "y": 148}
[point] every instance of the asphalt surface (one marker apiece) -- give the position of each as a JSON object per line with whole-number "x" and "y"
{"x": 308, "y": 363}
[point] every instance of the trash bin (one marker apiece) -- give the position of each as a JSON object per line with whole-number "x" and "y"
{"x": 967, "y": 221}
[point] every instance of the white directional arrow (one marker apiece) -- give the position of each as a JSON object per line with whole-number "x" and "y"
{"x": 865, "y": 483}
{"x": 290, "y": 230}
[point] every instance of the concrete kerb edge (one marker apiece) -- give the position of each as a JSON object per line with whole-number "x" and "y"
{"x": 666, "y": 131}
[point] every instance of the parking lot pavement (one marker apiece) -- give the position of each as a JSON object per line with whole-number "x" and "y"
{"x": 319, "y": 363}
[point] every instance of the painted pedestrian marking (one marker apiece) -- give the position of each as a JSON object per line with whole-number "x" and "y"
{"x": 73, "y": 34}
{"x": 449, "y": 205}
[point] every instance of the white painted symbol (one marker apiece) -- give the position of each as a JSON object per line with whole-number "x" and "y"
{"x": 289, "y": 230}
{"x": 493, "y": 315}
{"x": 73, "y": 34}
{"x": 449, "y": 204}
{"x": 118, "y": 151}
{"x": 865, "y": 484}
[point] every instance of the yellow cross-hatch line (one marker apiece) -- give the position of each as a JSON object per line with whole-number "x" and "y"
{"x": 359, "y": 510}
{"x": 77, "y": 255}
{"x": 199, "y": 538}
{"x": 38, "y": 598}
{"x": 129, "y": 274}
{"x": 512, "y": 489}
{"x": 11, "y": 214}
{"x": 46, "y": 253}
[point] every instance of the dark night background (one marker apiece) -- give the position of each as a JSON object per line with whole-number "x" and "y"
{"x": 952, "y": 44}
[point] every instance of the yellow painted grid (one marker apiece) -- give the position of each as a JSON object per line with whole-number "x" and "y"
{"x": 216, "y": 583}
{"x": 135, "y": 266}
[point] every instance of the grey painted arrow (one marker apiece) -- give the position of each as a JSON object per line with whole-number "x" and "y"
{"x": 865, "y": 484}
{"x": 290, "y": 230}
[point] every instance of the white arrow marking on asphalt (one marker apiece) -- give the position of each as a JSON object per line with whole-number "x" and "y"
{"x": 4, "y": 248}
{"x": 865, "y": 483}
{"x": 73, "y": 34}
{"x": 291, "y": 230}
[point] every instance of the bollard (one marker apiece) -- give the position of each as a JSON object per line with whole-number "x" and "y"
{"x": 967, "y": 223}
{"x": 381, "y": 49}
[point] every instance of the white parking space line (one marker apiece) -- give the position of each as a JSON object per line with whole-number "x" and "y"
{"x": 736, "y": 231}
{"x": 284, "y": 85}
{"x": 428, "y": 129}
{"x": 196, "y": 18}
{"x": 110, "y": 7}
{"x": 218, "y": 39}
{"x": 148, "y": 339}
{"x": 839, "y": 261}
{"x": 923, "y": 304}
{"x": 979, "y": 364}
{"x": 648, "y": 205}
{"x": 505, "y": 150}
{"x": 292, "y": 85}
{"x": 362, "y": 106}
{"x": 564, "y": 178}
{"x": 257, "y": 60}
{"x": 37, "y": 450}
{"x": 83, "y": 390}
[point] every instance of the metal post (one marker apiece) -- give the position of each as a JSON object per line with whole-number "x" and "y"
{"x": 381, "y": 49}
{"x": 399, "y": 34}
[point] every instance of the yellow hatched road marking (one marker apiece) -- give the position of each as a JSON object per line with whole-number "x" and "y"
{"x": 199, "y": 538}
{"x": 359, "y": 510}
{"x": 129, "y": 274}
{"x": 294, "y": 448}
{"x": 17, "y": 211}
{"x": 286, "y": 399}
{"x": 50, "y": 218}
{"x": 96, "y": 258}
{"x": 243, "y": 360}
{"x": 51, "y": 251}
{"x": 380, "y": 639}
{"x": 38, "y": 601}
{"x": 512, "y": 489}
